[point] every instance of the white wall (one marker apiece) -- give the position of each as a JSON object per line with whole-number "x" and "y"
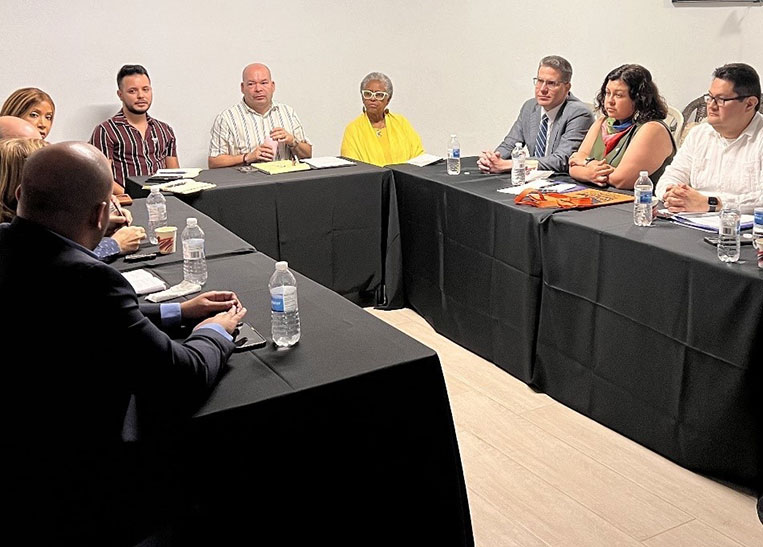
{"x": 462, "y": 67}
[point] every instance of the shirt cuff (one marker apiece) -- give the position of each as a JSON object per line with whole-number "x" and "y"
{"x": 107, "y": 249}
{"x": 219, "y": 329}
{"x": 170, "y": 314}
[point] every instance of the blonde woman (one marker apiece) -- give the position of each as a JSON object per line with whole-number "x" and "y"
{"x": 13, "y": 154}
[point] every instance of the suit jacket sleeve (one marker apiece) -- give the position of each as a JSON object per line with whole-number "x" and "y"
{"x": 517, "y": 133}
{"x": 148, "y": 360}
{"x": 574, "y": 122}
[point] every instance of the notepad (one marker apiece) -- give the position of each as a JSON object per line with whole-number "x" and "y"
{"x": 182, "y": 186}
{"x": 281, "y": 166}
{"x": 144, "y": 282}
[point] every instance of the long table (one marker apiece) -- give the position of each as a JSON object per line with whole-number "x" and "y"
{"x": 643, "y": 330}
{"x": 647, "y": 332}
{"x": 472, "y": 260}
{"x": 218, "y": 240}
{"x": 346, "y": 437}
{"x": 337, "y": 226}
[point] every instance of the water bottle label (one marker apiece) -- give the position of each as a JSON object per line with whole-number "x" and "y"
{"x": 276, "y": 302}
{"x": 281, "y": 302}
{"x": 645, "y": 197}
{"x": 157, "y": 212}
{"x": 759, "y": 216}
{"x": 193, "y": 250}
{"x": 454, "y": 153}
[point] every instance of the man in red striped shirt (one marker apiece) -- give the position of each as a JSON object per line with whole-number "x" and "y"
{"x": 136, "y": 143}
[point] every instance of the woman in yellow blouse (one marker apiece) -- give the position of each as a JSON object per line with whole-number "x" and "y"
{"x": 378, "y": 136}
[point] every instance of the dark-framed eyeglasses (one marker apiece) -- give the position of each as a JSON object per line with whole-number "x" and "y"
{"x": 721, "y": 101}
{"x": 551, "y": 84}
{"x": 378, "y": 95}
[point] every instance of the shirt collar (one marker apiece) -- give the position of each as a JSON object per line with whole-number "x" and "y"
{"x": 120, "y": 118}
{"x": 553, "y": 112}
{"x": 273, "y": 106}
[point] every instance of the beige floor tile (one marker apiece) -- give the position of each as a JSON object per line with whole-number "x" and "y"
{"x": 481, "y": 375}
{"x": 727, "y": 510}
{"x": 528, "y": 502}
{"x": 493, "y": 529}
{"x": 617, "y": 499}
{"x": 691, "y": 534}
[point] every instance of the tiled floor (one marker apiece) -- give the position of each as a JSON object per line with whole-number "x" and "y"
{"x": 539, "y": 473}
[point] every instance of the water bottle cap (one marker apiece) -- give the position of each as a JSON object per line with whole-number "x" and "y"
{"x": 453, "y": 136}
{"x": 191, "y": 221}
{"x": 154, "y": 189}
{"x": 282, "y": 265}
{"x": 643, "y": 173}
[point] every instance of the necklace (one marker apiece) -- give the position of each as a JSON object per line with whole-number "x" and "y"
{"x": 379, "y": 131}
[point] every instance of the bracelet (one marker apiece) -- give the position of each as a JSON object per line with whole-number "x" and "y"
{"x": 243, "y": 159}
{"x": 588, "y": 160}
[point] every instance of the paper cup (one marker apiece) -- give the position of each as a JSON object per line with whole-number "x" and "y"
{"x": 167, "y": 238}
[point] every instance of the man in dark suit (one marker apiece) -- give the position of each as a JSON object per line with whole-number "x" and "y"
{"x": 81, "y": 355}
{"x": 552, "y": 124}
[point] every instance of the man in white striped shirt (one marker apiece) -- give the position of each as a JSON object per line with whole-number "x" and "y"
{"x": 257, "y": 129}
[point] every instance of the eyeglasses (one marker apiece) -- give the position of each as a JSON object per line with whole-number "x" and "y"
{"x": 552, "y": 84}
{"x": 378, "y": 95}
{"x": 721, "y": 101}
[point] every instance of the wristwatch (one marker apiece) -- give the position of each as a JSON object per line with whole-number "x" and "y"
{"x": 712, "y": 204}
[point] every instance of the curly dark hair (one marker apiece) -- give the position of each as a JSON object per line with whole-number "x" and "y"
{"x": 649, "y": 105}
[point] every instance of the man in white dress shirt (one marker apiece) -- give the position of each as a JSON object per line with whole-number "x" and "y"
{"x": 724, "y": 157}
{"x": 257, "y": 129}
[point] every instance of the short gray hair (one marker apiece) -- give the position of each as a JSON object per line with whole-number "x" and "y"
{"x": 383, "y": 78}
{"x": 560, "y": 64}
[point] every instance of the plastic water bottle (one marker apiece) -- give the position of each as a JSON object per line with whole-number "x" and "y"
{"x": 454, "y": 156}
{"x": 518, "y": 165}
{"x": 284, "y": 308}
{"x": 194, "y": 260}
{"x": 642, "y": 200}
{"x": 157, "y": 213}
{"x": 757, "y": 227}
{"x": 728, "y": 236}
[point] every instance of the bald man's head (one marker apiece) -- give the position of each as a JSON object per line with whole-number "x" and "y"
{"x": 66, "y": 187}
{"x": 12, "y": 127}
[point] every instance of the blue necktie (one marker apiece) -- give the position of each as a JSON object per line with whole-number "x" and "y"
{"x": 540, "y": 142}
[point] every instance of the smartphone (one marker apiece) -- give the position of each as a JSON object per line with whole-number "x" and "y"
{"x": 246, "y": 337}
{"x": 744, "y": 239}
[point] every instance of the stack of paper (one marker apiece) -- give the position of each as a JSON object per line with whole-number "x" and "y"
{"x": 708, "y": 222}
{"x": 186, "y": 173}
{"x": 327, "y": 161}
{"x": 424, "y": 159}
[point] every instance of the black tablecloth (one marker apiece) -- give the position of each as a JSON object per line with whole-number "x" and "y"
{"x": 217, "y": 240}
{"x": 647, "y": 332}
{"x": 346, "y": 438}
{"x": 471, "y": 260}
{"x": 337, "y": 226}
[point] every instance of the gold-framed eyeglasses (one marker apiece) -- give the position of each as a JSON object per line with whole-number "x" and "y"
{"x": 721, "y": 101}
{"x": 551, "y": 84}
{"x": 378, "y": 95}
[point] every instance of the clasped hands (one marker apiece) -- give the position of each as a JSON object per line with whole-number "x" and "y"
{"x": 266, "y": 151}
{"x": 224, "y": 308}
{"x": 490, "y": 162}
{"x": 681, "y": 197}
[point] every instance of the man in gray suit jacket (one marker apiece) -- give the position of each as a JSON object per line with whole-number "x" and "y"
{"x": 552, "y": 125}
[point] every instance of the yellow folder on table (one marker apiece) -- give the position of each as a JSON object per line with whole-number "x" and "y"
{"x": 281, "y": 166}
